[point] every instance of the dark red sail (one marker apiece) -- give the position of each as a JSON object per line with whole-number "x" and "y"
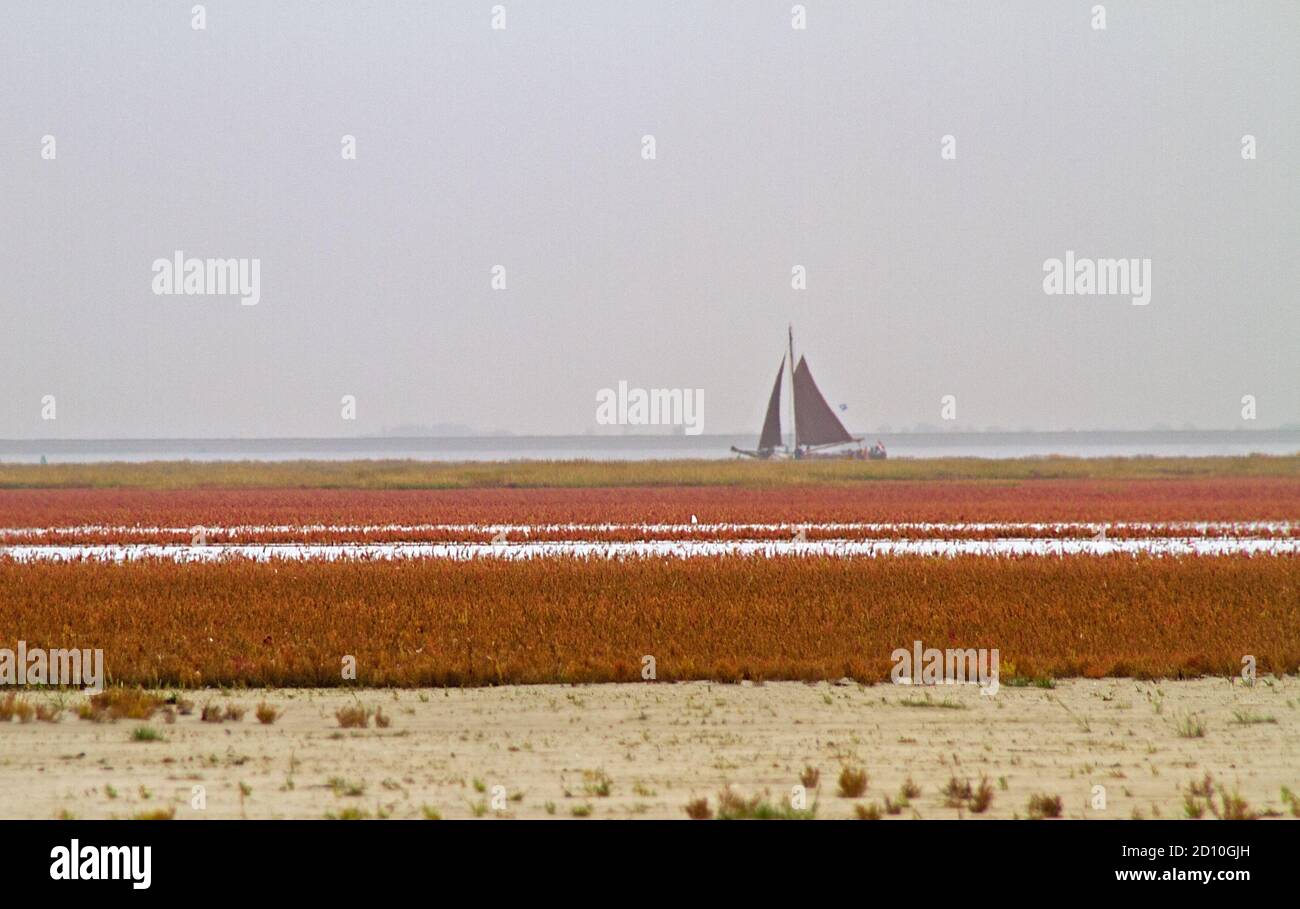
{"x": 770, "y": 438}
{"x": 814, "y": 421}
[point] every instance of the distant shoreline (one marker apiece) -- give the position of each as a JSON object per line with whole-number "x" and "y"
{"x": 983, "y": 444}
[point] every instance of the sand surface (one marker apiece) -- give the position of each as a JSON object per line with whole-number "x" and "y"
{"x": 654, "y": 746}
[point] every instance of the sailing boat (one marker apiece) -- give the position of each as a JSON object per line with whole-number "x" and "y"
{"x": 817, "y": 430}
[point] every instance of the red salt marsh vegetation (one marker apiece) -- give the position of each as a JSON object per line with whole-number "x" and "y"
{"x": 1092, "y": 500}
{"x": 433, "y": 622}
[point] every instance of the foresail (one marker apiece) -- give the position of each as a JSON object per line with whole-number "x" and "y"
{"x": 814, "y": 421}
{"x": 771, "y": 435}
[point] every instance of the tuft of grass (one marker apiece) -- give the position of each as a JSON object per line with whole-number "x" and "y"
{"x": 1029, "y": 682}
{"x": 810, "y": 777}
{"x": 342, "y": 787}
{"x": 853, "y": 782}
{"x": 353, "y": 716}
{"x": 867, "y": 812}
{"x": 1199, "y": 798}
{"x": 120, "y": 704}
{"x": 596, "y": 782}
{"x": 983, "y": 797}
{"x": 183, "y": 706}
{"x": 957, "y": 793}
{"x": 581, "y": 811}
{"x": 928, "y": 701}
{"x": 14, "y": 707}
{"x": 734, "y": 807}
{"x": 1190, "y": 727}
{"x": 430, "y": 813}
{"x": 1203, "y": 788}
{"x": 1043, "y": 806}
{"x": 1291, "y": 799}
{"x": 155, "y": 814}
{"x": 1246, "y": 718}
{"x": 146, "y": 734}
{"x": 909, "y": 790}
{"x": 698, "y": 809}
{"x": 266, "y": 714}
{"x": 1234, "y": 808}
{"x": 349, "y": 814}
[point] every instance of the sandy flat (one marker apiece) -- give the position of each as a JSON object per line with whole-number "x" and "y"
{"x": 658, "y": 745}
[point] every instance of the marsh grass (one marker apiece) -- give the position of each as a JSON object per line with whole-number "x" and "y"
{"x": 697, "y": 809}
{"x": 348, "y": 814}
{"x": 1028, "y": 682}
{"x": 12, "y": 707}
{"x": 413, "y": 474}
{"x": 155, "y": 814}
{"x": 120, "y": 704}
{"x": 597, "y": 783}
{"x": 982, "y": 798}
{"x": 956, "y": 793}
{"x": 213, "y": 713}
{"x": 1199, "y": 798}
{"x": 927, "y": 700}
{"x": 770, "y": 632}
{"x": 734, "y": 807}
{"x": 868, "y": 812}
{"x": 1043, "y": 806}
{"x": 346, "y": 788}
{"x": 853, "y": 782}
{"x": 1190, "y": 726}
{"x": 1292, "y": 800}
{"x": 353, "y": 716}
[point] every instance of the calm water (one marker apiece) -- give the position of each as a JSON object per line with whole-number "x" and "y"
{"x": 623, "y": 448}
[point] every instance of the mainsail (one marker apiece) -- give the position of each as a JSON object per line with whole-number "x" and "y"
{"x": 814, "y": 421}
{"x": 771, "y": 436}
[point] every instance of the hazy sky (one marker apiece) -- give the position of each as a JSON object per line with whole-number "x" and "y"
{"x": 522, "y": 147}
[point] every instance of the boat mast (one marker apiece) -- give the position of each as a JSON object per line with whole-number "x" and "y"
{"x": 794, "y": 427}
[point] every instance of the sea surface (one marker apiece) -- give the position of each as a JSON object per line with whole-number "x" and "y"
{"x": 1185, "y": 443}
